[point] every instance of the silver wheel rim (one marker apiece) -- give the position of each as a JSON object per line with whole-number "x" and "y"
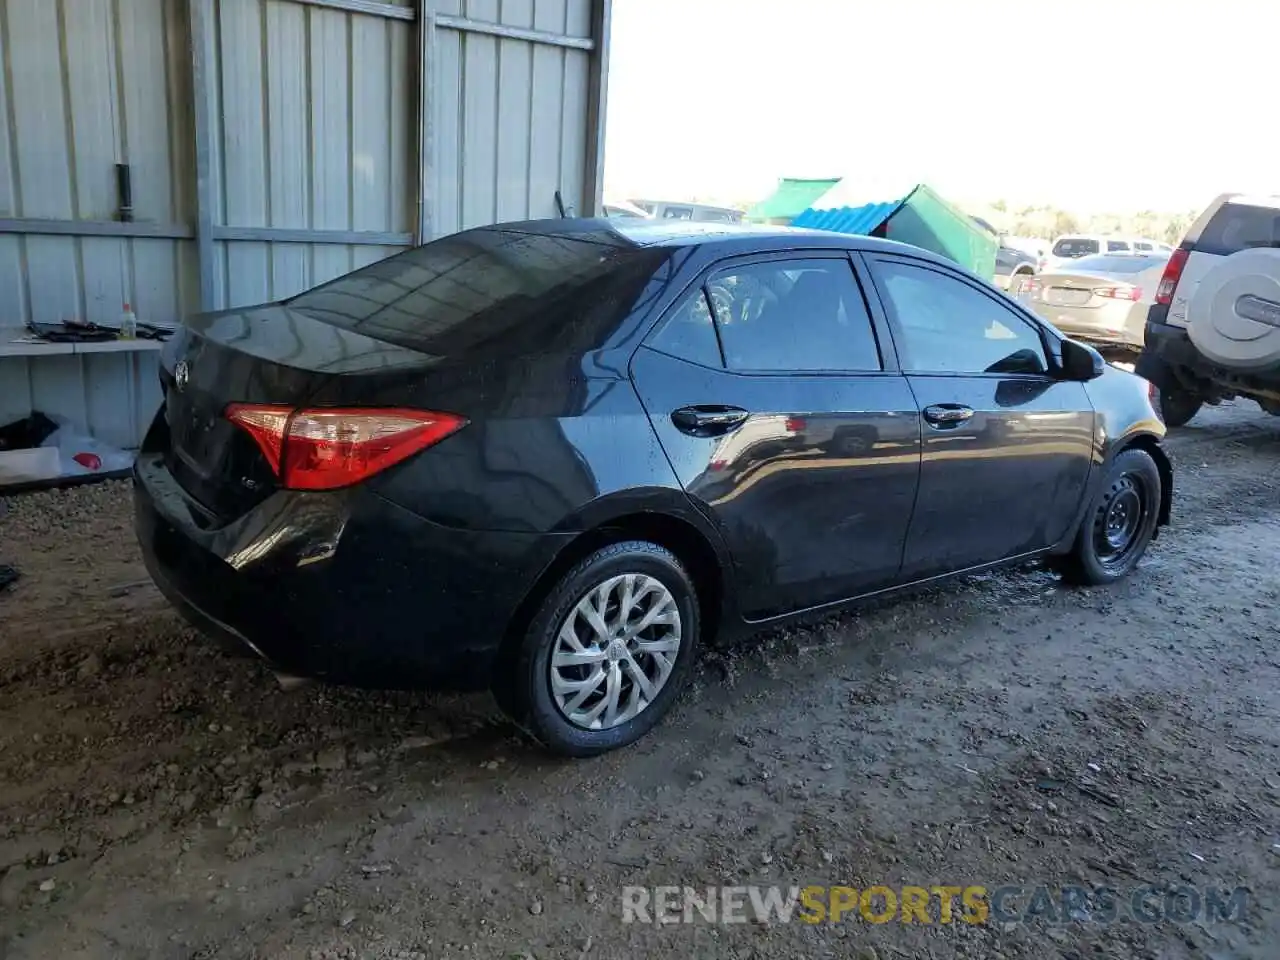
{"x": 615, "y": 651}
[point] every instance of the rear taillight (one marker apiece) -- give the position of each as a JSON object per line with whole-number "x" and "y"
{"x": 327, "y": 448}
{"x": 1123, "y": 292}
{"x": 795, "y": 424}
{"x": 1029, "y": 286}
{"x": 1172, "y": 274}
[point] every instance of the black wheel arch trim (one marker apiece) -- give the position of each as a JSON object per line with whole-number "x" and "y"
{"x": 625, "y": 516}
{"x": 1139, "y": 440}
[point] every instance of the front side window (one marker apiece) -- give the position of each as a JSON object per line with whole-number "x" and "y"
{"x": 947, "y": 326}
{"x": 793, "y": 316}
{"x": 1116, "y": 245}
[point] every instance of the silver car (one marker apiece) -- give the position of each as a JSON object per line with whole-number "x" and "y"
{"x": 1101, "y": 299}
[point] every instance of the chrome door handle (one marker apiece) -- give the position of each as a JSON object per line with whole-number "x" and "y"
{"x": 947, "y": 414}
{"x": 708, "y": 420}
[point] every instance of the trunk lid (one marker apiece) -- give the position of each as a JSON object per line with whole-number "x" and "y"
{"x": 269, "y": 354}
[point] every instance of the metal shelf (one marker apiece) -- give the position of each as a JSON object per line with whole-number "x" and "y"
{"x": 17, "y": 342}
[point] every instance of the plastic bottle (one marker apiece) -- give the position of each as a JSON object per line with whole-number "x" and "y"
{"x": 128, "y": 324}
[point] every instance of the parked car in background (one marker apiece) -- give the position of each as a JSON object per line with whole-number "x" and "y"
{"x": 1074, "y": 246}
{"x": 1033, "y": 246}
{"x": 1100, "y": 299}
{"x": 511, "y": 457}
{"x": 678, "y": 210}
{"x": 1012, "y": 266}
{"x": 1213, "y": 332}
{"x": 623, "y": 208}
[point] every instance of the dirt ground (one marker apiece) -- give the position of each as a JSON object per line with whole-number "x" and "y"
{"x": 158, "y": 799}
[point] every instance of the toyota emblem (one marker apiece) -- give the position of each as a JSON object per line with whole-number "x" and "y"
{"x": 181, "y": 375}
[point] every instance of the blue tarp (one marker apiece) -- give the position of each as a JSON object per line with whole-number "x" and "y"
{"x": 859, "y": 220}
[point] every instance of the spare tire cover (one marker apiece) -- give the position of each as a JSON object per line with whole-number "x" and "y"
{"x": 1235, "y": 311}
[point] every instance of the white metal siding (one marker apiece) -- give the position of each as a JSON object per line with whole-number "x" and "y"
{"x": 111, "y": 396}
{"x": 509, "y": 127}
{"x": 316, "y": 110}
{"x": 273, "y": 144}
{"x": 88, "y": 84}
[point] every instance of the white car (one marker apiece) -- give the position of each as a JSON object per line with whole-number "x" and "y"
{"x": 1214, "y": 329}
{"x": 1074, "y": 246}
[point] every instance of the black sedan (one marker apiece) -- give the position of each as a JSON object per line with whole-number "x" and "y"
{"x": 552, "y": 458}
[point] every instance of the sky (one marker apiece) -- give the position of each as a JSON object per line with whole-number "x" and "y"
{"x": 1094, "y": 106}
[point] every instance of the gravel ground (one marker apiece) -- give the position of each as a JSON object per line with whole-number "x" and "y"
{"x": 158, "y": 799}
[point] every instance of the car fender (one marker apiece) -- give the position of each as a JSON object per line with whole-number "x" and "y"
{"x": 1142, "y": 437}
{"x": 629, "y": 509}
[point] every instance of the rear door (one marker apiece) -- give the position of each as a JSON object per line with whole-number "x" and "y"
{"x": 788, "y": 425}
{"x": 1007, "y": 446}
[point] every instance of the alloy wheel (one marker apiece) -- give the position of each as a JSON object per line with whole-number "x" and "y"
{"x": 615, "y": 651}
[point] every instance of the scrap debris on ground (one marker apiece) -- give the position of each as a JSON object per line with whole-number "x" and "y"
{"x": 159, "y": 799}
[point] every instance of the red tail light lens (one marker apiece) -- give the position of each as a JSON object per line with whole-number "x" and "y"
{"x": 1119, "y": 293}
{"x": 329, "y": 448}
{"x": 1172, "y": 274}
{"x": 795, "y": 424}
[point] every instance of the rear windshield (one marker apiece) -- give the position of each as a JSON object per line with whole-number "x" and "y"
{"x": 1105, "y": 264}
{"x": 1240, "y": 226}
{"x": 1078, "y": 247}
{"x": 528, "y": 292}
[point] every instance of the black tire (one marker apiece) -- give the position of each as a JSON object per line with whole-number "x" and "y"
{"x": 1112, "y": 537}
{"x": 1177, "y": 405}
{"x": 526, "y": 692}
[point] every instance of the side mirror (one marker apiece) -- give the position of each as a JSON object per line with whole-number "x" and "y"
{"x": 1081, "y": 362}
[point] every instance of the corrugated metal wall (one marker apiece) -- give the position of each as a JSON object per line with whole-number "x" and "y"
{"x": 509, "y": 114}
{"x": 273, "y": 144}
{"x": 87, "y": 84}
{"x": 317, "y": 109}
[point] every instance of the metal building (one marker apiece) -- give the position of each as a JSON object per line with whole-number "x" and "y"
{"x": 199, "y": 154}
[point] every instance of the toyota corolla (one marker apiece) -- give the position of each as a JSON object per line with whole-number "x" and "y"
{"x": 553, "y": 458}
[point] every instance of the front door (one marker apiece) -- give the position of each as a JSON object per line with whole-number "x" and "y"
{"x": 1007, "y": 445}
{"x": 785, "y": 427}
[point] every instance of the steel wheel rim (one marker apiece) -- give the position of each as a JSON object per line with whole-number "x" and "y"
{"x": 614, "y": 651}
{"x": 1119, "y": 521}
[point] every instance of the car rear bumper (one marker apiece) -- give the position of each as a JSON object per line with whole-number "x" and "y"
{"x": 1118, "y": 324}
{"x": 346, "y": 587}
{"x": 1170, "y": 359}
{"x": 1172, "y": 344}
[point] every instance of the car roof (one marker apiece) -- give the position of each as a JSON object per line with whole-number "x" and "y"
{"x": 734, "y": 238}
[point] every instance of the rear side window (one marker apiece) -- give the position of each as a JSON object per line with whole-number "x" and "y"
{"x": 520, "y": 293}
{"x": 1078, "y": 247}
{"x": 688, "y": 332}
{"x": 1240, "y": 226}
{"x": 1116, "y": 246}
{"x": 793, "y": 316}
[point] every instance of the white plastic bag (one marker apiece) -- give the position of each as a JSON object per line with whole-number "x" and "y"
{"x": 94, "y": 455}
